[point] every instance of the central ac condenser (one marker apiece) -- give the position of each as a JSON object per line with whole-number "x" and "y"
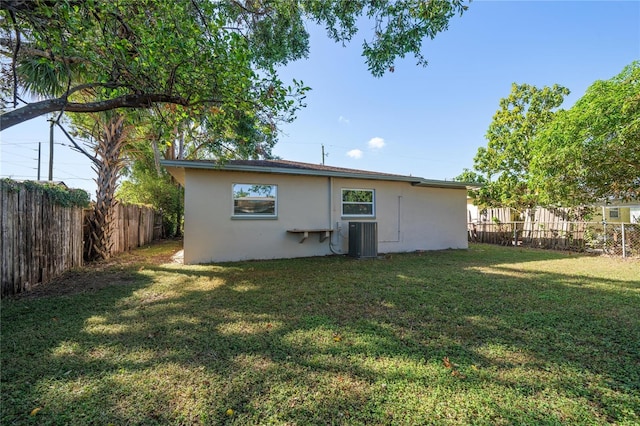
{"x": 363, "y": 239}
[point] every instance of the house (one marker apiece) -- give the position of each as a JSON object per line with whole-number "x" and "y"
{"x": 267, "y": 209}
{"x": 617, "y": 212}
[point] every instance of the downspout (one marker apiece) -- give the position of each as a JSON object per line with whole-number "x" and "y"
{"x": 337, "y": 231}
{"x": 330, "y": 183}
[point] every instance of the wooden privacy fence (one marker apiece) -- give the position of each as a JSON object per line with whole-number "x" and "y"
{"x": 133, "y": 226}
{"x": 38, "y": 238}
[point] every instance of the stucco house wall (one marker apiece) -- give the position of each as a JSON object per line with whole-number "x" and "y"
{"x": 625, "y": 214}
{"x": 211, "y": 234}
{"x": 409, "y": 217}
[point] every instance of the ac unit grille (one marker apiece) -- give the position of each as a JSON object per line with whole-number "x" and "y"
{"x": 363, "y": 239}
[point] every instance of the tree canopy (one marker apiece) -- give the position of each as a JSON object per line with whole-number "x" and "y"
{"x": 209, "y": 69}
{"x": 540, "y": 156}
{"x": 90, "y": 56}
{"x": 148, "y": 184}
{"x": 505, "y": 162}
{"x": 207, "y": 56}
{"x": 592, "y": 151}
{"x": 469, "y": 176}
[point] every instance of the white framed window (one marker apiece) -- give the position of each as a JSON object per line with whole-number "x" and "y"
{"x": 255, "y": 200}
{"x": 358, "y": 202}
{"x": 614, "y": 213}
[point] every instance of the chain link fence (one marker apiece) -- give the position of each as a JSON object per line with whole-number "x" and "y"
{"x": 616, "y": 239}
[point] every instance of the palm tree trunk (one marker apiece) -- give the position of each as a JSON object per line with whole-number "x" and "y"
{"x": 108, "y": 169}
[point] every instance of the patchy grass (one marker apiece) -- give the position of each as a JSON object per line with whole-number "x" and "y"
{"x": 489, "y": 335}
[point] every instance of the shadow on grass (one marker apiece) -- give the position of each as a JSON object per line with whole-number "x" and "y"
{"x": 330, "y": 341}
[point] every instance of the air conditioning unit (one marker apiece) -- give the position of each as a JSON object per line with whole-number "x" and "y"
{"x": 363, "y": 239}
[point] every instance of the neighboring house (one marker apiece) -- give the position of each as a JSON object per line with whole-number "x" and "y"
{"x": 611, "y": 213}
{"x": 618, "y": 213}
{"x": 266, "y": 209}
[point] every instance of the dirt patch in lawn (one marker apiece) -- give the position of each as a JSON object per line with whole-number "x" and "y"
{"x": 118, "y": 270}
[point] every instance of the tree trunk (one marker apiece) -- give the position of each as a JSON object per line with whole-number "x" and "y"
{"x": 108, "y": 150}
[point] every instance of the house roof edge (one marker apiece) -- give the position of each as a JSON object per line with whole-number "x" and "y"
{"x": 341, "y": 173}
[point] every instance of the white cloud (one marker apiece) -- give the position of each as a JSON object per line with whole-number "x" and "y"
{"x": 343, "y": 120}
{"x": 376, "y": 143}
{"x": 355, "y": 153}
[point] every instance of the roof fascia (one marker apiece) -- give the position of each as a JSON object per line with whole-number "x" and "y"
{"x": 431, "y": 183}
{"x": 415, "y": 181}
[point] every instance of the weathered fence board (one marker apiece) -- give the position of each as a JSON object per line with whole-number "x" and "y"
{"x": 40, "y": 240}
{"x": 133, "y": 226}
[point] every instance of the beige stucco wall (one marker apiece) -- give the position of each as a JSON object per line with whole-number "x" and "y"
{"x": 409, "y": 218}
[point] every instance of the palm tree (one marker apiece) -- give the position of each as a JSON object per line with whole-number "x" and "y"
{"x": 109, "y": 134}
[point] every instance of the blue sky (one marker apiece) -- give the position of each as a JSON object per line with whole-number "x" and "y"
{"x": 426, "y": 122}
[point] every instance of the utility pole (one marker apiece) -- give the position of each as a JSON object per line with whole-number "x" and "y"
{"x": 39, "y": 151}
{"x": 51, "y": 150}
{"x": 323, "y": 154}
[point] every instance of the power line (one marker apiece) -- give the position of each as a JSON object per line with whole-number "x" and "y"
{"x": 20, "y": 155}
{"x": 299, "y": 143}
{"x": 74, "y": 178}
{"x": 11, "y": 176}
{"x": 17, "y": 143}
{"x": 18, "y": 177}
{"x": 70, "y": 164}
{"x": 21, "y": 162}
{"x": 31, "y": 143}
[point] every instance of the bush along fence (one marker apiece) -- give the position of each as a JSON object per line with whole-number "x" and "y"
{"x": 618, "y": 239}
{"x": 41, "y": 232}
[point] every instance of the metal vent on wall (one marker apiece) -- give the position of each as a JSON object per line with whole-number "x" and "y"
{"x": 363, "y": 239}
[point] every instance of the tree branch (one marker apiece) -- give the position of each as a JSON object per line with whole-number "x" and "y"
{"x": 249, "y": 11}
{"x": 76, "y": 145}
{"x": 16, "y": 49}
{"x": 27, "y": 50}
{"x": 37, "y": 109}
{"x": 86, "y": 86}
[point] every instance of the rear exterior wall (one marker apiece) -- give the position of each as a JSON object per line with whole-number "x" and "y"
{"x": 409, "y": 218}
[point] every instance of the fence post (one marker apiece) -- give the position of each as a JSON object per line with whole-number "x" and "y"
{"x": 624, "y": 249}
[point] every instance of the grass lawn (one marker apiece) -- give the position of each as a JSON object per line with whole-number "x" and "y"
{"x": 489, "y": 335}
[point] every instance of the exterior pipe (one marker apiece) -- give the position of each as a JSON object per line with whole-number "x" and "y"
{"x": 330, "y": 186}
{"x": 333, "y": 250}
